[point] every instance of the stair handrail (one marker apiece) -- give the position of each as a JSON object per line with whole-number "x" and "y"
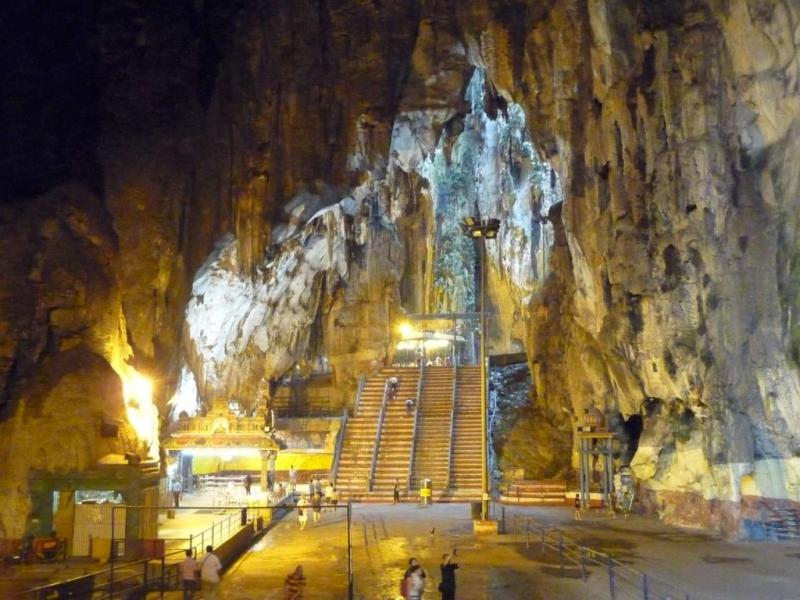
{"x": 452, "y": 423}
{"x": 414, "y": 427}
{"x": 362, "y": 381}
{"x": 339, "y": 445}
{"x": 378, "y": 430}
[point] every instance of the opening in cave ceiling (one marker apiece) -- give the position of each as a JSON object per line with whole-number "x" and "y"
{"x": 487, "y": 166}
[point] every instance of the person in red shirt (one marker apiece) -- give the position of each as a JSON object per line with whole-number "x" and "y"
{"x": 295, "y": 584}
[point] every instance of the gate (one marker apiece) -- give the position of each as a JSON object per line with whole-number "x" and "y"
{"x": 92, "y": 527}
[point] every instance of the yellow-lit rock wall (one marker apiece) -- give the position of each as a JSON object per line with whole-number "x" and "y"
{"x": 671, "y": 292}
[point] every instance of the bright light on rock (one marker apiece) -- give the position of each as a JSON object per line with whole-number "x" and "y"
{"x": 185, "y": 397}
{"x": 407, "y": 331}
{"x": 142, "y": 413}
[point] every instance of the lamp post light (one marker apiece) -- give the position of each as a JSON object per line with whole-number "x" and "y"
{"x": 482, "y": 230}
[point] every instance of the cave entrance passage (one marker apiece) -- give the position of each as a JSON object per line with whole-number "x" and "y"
{"x": 443, "y": 339}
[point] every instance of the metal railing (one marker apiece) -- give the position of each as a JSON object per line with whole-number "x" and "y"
{"x": 624, "y": 582}
{"x": 420, "y": 385}
{"x": 452, "y": 424}
{"x": 337, "y": 454}
{"x": 215, "y": 535}
{"x": 120, "y": 580}
{"x": 134, "y": 579}
{"x": 362, "y": 382}
{"x": 377, "y": 446}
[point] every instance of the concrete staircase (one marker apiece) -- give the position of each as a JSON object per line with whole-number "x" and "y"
{"x": 465, "y": 467}
{"x": 352, "y": 478}
{"x": 394, "y": 451}
{"x": 432, "y": 448}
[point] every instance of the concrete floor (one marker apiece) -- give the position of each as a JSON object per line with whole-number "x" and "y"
{"x": 503, "y": 567}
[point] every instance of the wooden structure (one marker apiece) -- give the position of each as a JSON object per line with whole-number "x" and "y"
{"x": 595, "y": 443}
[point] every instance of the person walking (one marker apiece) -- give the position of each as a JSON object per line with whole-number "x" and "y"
{"x": 416, "y": 583}
{"x": 188, "y": 570}
{"x": 209, "y": 574}
{"x": 316, "y": 507}
{"x": 448, "y": 569}
{"x": 248, "y": 482}
{"x": 396, "y": 491}
{"x": 578, "y": 508}
{"x": 413, "y": 583}
{"x": 410, "y": 402}
{"x": 302, "y": 512}
{"x": 295, "y": 584}
{"x": 176, "y": 492}
{"x": 391, "y": 388}
{"x": 292, "y": 478}
{"x": 334, "y": 497}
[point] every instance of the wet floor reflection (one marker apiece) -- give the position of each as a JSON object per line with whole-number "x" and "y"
{"x": 383, "y": 539}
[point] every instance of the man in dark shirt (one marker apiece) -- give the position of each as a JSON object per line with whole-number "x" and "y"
{"x": 448, "y": 569}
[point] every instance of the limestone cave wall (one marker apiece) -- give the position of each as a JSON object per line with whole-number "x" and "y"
{"x": 270, "y": 157}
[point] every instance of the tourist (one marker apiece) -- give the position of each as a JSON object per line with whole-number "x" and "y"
{"x": 318, "y": 488}
{"x": 316, "y": 506}
{"x": 410, "y": 402}
{"x": 176, "y": 492}
{"x": 209, "y": 574}
{"x": 578, "y": 508}
{"x": 413, "y": 584}
{"x": 448, "y": 569}
{"x": 248, "y": 481}
{"x": 302, "y": 512}
{"x": 391, "y": 388}
{"x": 295, "y": 584}
{"x": 334, "y": 497}
{"x": 396, "y": 492}
{"x": 188, "y": 568}
{"x": 292, "y": 478}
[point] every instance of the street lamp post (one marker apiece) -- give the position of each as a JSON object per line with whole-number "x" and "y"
{"x": 482, "y": 231}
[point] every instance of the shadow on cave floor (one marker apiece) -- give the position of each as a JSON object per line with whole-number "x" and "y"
{"x": 718, "y": 560}
{"x": 549, "y": 562}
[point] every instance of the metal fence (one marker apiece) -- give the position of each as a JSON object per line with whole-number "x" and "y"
{"x": 128, "y": 579}
{"x": 624, "y": 582}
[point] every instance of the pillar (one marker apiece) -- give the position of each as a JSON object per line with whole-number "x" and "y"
{"x": 267, "y": 466}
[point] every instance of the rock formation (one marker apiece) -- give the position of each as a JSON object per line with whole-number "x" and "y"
{"x": 643, "y": 156}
